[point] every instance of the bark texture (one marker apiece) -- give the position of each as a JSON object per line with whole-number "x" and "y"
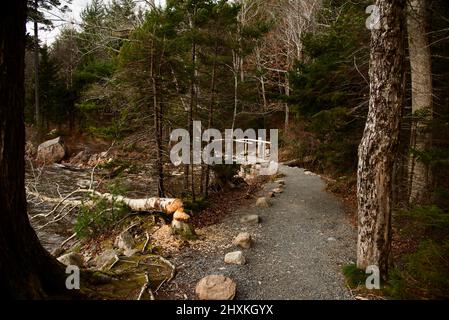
{"x": 421, "y": 76}
{"x": 27, "y": 271}
{"x": 378, "y": 147}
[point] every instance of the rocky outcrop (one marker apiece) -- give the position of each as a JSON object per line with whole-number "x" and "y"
{"x": 51, "y": 151}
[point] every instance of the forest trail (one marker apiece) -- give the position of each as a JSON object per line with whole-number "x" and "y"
{"x": 299, "y": 247}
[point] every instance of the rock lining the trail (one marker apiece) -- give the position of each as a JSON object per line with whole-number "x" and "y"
{"x": 216, "y": 287}
{"x": 292, "y": 258}
{"x": 243, "y": 240}
{"x": 235, "y": 257}
{"x": 250, "y": 219}
{"x": 262, "y": 202}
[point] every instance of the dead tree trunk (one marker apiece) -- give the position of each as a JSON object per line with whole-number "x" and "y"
{"x": 377, "y": 149}
{"x": 421, "y": 74}
{"x": 27, "y": 270}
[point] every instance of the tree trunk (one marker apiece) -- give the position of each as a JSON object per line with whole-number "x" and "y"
{"x": 287, "y": 109}
{"x": 192, "y": 104}
{"x": 210, "y": 115}
{"x": 235, "y": 71}
{"x": 37, "y": 112}
{"x": 421, "y": 74}
{"x": 157, "y": 117}
{"x": 27, "y": 271}
{"x": 378, "y": 147}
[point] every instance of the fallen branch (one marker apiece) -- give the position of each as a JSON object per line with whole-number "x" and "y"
{"x": 58, "y": 200}
{"x": 146, "y": 242}
{"x": 67, "y": 240}
{"x": 56, "y": 219}
{"x": 116, "y": 259}
{"x": 95, "y": 166}
{"x": 172, "y": 274}
{"x": 172, "y": 266}
{"x": 146, "y": 287}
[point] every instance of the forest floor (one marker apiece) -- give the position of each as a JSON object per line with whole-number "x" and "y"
{"x": 298, "y": 251}
{"x": 299, "y": 247}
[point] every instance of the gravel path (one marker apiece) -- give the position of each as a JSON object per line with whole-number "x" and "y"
{"x": 300, "y": 245}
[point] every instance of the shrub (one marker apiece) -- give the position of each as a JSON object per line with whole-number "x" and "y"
{"x": 354, "y": 276}
{"x": 424, "y": 273}
{"x": 94, "y": 219}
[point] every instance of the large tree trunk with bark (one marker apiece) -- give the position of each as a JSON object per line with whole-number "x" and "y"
{"x": 378, "y": 147}
{"x": 27, "y": 271}
{"x": 37, "y": 112}
{"x": 421, "y": 74}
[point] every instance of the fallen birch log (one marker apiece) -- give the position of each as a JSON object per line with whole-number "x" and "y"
{"x": 170, "y": 206}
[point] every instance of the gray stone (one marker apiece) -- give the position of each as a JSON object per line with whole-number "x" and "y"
{"x": 106, "y": 259}
{"x": 243, "y": 240}
{"x": 216, "y": 287}
{"x": 235, "y": 257}
{"x": 124, "y": 241}
{"x": 51, "y": 151}
{"x": 72, "y": 258}
{"x": 250, "y": 219}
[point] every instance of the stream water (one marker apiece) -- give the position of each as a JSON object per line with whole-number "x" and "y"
{"x": 58, "y": 181}
{"x": 55, "y": 181}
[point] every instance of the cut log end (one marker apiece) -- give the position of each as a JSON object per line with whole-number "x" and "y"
{"x": 174, "y": 206}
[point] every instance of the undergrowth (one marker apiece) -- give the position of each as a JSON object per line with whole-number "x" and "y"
{"x": 423, "y": 273}
{"x": 98, "y": 215}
